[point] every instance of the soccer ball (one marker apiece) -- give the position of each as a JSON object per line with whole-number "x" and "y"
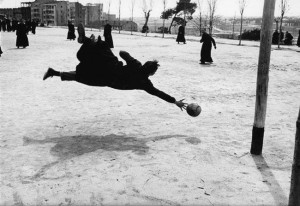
{"x": 193, "y": 109}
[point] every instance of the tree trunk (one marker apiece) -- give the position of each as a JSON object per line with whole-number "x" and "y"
{"x": 241, "y": 28}
{"x": 171, "y": 24}
{"x": 262, "y": 77}
{"x": 163, "y": 28}
{"x": 200, "y": 23}
{"x": 294, "y": 198}
{"x": 233, "y": 28}
{"x": 280, "y": 30}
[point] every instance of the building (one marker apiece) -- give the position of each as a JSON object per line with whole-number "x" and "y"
{"x": 37, "y": 9}
{"x": 16, "y": 13}
{"x": 76, "y": 13}
{"x": 55, "y": 13}
{"x": 109, "y": 17}
{"x": 93, "y": 13}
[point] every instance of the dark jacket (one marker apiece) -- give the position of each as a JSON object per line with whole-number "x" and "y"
{"x": 71, "y": 32}
{"x": 100, "y": 67}
{"x": 180, "y": 35}
{"x": 22, "y": 39}
{"x": 107, "y": 36}
{"x": 207, "y": 41}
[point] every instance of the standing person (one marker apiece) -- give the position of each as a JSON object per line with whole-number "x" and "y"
{"x": 275, "y": 37}
{"x": 3, "y": 24}
{"x": 288, "y": 38}
{"x": 180, "y": 35}
{"x": 71, "y": 31}
{"x": 107, "y": 35}
{"x": 0, "y": 51}
{"x": 22, "y": 39}
{"x": 298, "y": 42}
{"x": 100, "y": 67}
{"x": 207, "y": 42}
{"x": 14, "y": 25}
{"x": 8, "y": 25}
{"x": 33, "y": 26}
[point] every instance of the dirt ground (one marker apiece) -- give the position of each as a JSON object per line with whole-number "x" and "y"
{"x": 65, "y": 143}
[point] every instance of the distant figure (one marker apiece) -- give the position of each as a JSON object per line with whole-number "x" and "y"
{"x": 22, "y": 39}
{"x": 28, "y": 25}
{"x": 14, "y": 25}
{"x": 0, "y": 51}
{"x": 288, "y": 38}
{"x": 298, "y": 42}
{"x": 145, "y": 29}
{"x": 3, "y": 24}
{"x": 8, "y": 25}
{"x": 206, "y": 47}
{"x": 71, "y": 31}
{"x": 107, "y": 35}
{"x": 33, "y": 26}
{"x": 275, "y": 37}
{"x": 180, "y": 35}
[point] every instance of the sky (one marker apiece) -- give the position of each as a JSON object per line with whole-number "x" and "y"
{"x": 226, "y": 8}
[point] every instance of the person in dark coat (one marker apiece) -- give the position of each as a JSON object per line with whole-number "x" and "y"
{"x": 288, "y": 38}
{"x": 22, "y": 39}
{"x": 107, "y": 35}
{"x": 0, "y": 51}
{"x": 8, "y": 25}
{"x": 71, "y": 31}
{"x": 207, "y": 42}
{"x": 298, "y": 42}
{"x": 180, "y": 35}
{"x": 275, "y": 37}
{"x": 100, "y": 67}
{"x": 14, "y": 25}
{"x": 3, "y": 24}
{"x": 33, "y": 26}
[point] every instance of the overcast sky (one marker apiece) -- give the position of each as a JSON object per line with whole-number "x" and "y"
{"x": 226, "y": 8}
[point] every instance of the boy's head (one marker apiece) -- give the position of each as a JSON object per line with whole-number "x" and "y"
{"x": 150, "y": 67}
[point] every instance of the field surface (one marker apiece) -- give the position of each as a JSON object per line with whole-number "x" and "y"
{"x": 65, "y": 143}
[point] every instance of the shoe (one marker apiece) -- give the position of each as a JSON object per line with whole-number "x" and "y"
{"x": 81, "y": 33}
{"x": 92, "y": 37}
{"x": 49, "y": 73}
{"x": 125, "y": 55}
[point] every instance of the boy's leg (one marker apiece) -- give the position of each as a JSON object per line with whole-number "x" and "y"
{"x": 128, "y": 58}
{"x": 81, "y": 34}
{"x": 50, "y": 73}
{"x": 68, "y": 76}
{"x": 65, "y": 76}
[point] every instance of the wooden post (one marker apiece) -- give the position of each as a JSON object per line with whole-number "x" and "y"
{"x": 262, "y": 77}
{"x": 294, "y": 198}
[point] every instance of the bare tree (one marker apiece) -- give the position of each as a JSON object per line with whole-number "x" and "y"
{"x": 131, "y": 6}
{"x": 283, "y": 9}
{"x": 233, "y": 23}
{"x": 147, "y": 8}
{"x": 212, "y": 10}
{"x": 242, "y": 5}
{"x": 120, "y": 1}
{"x": 164, "y": 5}
{"x": 200, "y": 5}
{"x": 108, "y": 12}
{"x": 196, "y": 23}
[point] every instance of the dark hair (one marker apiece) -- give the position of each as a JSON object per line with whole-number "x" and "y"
{"x": 150, "y": 67}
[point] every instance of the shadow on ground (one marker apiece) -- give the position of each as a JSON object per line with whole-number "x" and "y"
{"x": 67, "y": 147}
{"x": 270, "y": 180}
{"x": 72, "y": 146}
